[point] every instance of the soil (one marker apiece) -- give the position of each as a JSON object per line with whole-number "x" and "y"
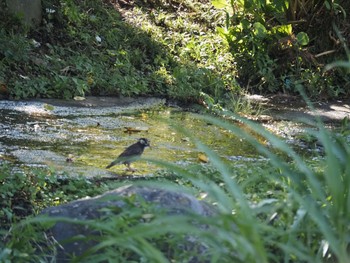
{"x": 293, "y": 108}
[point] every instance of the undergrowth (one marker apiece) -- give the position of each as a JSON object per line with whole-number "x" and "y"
{"x": 284, "y": 208}
{"x": 175, "y": 49}
{"x": 109, "y": 48}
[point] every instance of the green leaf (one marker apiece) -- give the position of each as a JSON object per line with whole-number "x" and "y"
{"x": 260, "y": 30}
{"x": 282, "y": 29}
{"x": 327, "y": 5}
{"x": 219, "y": 4}
{"x": 340, "y": 63}
{"x": 48, "y": 107}
{"x": 222, "y": 31}
{"x": 302, "y": 38}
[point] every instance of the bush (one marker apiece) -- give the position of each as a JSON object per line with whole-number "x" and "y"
{"x": 277, "y": 49}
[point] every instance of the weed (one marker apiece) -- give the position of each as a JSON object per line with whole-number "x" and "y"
{"x": 88, "y": 48}
{"x": 284, "y": 208}
{"x": 25, "y": 193}
{"x": 269, "y": 45}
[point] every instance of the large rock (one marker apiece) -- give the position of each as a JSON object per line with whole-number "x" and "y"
{"x": 99, "y": 206}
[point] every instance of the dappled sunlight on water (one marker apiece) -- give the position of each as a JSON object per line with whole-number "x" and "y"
{"x": 167, "y": 143}
{"x": 84, "y": 143}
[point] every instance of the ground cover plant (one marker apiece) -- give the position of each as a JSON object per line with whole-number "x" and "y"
{"x": 29, "y": 191}
{"x": 284, "y": 209}
{"x": 103, "y": 48}
{"x": 279, "y": 47}
{"x": 176, "y": 49}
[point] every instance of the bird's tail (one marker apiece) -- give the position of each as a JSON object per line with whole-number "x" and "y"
{"x": 111, "y": 164}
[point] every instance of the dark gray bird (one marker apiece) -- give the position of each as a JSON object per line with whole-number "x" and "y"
{"x": 131, "y": 154}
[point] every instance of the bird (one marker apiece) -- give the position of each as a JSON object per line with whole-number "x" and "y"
{"x": 130, "y": 154}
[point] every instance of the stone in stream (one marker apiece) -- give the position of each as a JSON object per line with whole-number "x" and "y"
{"x": 110, "y": 205}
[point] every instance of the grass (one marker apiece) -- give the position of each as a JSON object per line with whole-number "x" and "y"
{"x": 84, "y": 48}
{"x": 284, "y": 209}
{"x": 176, "y": 49}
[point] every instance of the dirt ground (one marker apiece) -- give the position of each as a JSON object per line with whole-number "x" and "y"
{"x": 286, "y": 107}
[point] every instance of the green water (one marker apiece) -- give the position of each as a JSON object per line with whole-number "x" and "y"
{"x": 167, "y": 143}
{"x": 85, "y": 144}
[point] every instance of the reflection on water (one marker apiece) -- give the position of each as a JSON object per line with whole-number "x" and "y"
{"x": 89, "y": 142}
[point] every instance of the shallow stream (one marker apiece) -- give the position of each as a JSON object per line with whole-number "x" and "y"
{"x": 82, "y": 138}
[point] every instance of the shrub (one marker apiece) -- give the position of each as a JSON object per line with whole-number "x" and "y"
{"x": 277, "y": 49}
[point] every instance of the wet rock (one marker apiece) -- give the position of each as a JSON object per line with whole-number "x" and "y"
{"x": 60, "y": 163}
{"x": 38, "y": 156}
{"x": 92, "y": 106}
{"x": 97, "y": 207}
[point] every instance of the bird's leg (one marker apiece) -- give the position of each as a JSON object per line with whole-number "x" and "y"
{"x": 128, "y": 167}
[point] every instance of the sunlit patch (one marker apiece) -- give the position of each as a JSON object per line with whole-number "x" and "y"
{"x": 95, "y": 137}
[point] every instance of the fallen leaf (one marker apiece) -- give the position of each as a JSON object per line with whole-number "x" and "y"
{"x": 78, "y": 98}
{"x": 48, "y": 107}
{"x": 135, "y": 129}
{"x": 203, "y": 158}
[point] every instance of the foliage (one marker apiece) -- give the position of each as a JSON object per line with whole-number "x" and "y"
{"x": 286, "y": 209}
{"x": 342, "y": 63}
{"x": 276, "y": 48}
{"x": 239, "y": 104}
{"x": 282, "y": 209}
{"x": 27, "y": 192}
{"x": 103, "y": 48}
{"x": 167, "y": 48}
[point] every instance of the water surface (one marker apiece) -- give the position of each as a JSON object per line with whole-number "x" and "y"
{"x": 83, "y": 140}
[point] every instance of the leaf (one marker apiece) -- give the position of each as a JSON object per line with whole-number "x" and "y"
{"x": 219, "y": 4}
{"x": 78, "y": 98}
{"x": 48, "y": 107}
{"x": 222, "y": 31}
{"x": 260, "y": 30}
{"x": 340, "y": 63}
{"x": 302, "y": 38}
{"x": 203, "y": 158}
{"x": 282, "y": 29}
{"x": 327, "y": 5}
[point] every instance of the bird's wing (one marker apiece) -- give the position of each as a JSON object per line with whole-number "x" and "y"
{"x": 131, "y": 151}
{"x": 130, "y": 154}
